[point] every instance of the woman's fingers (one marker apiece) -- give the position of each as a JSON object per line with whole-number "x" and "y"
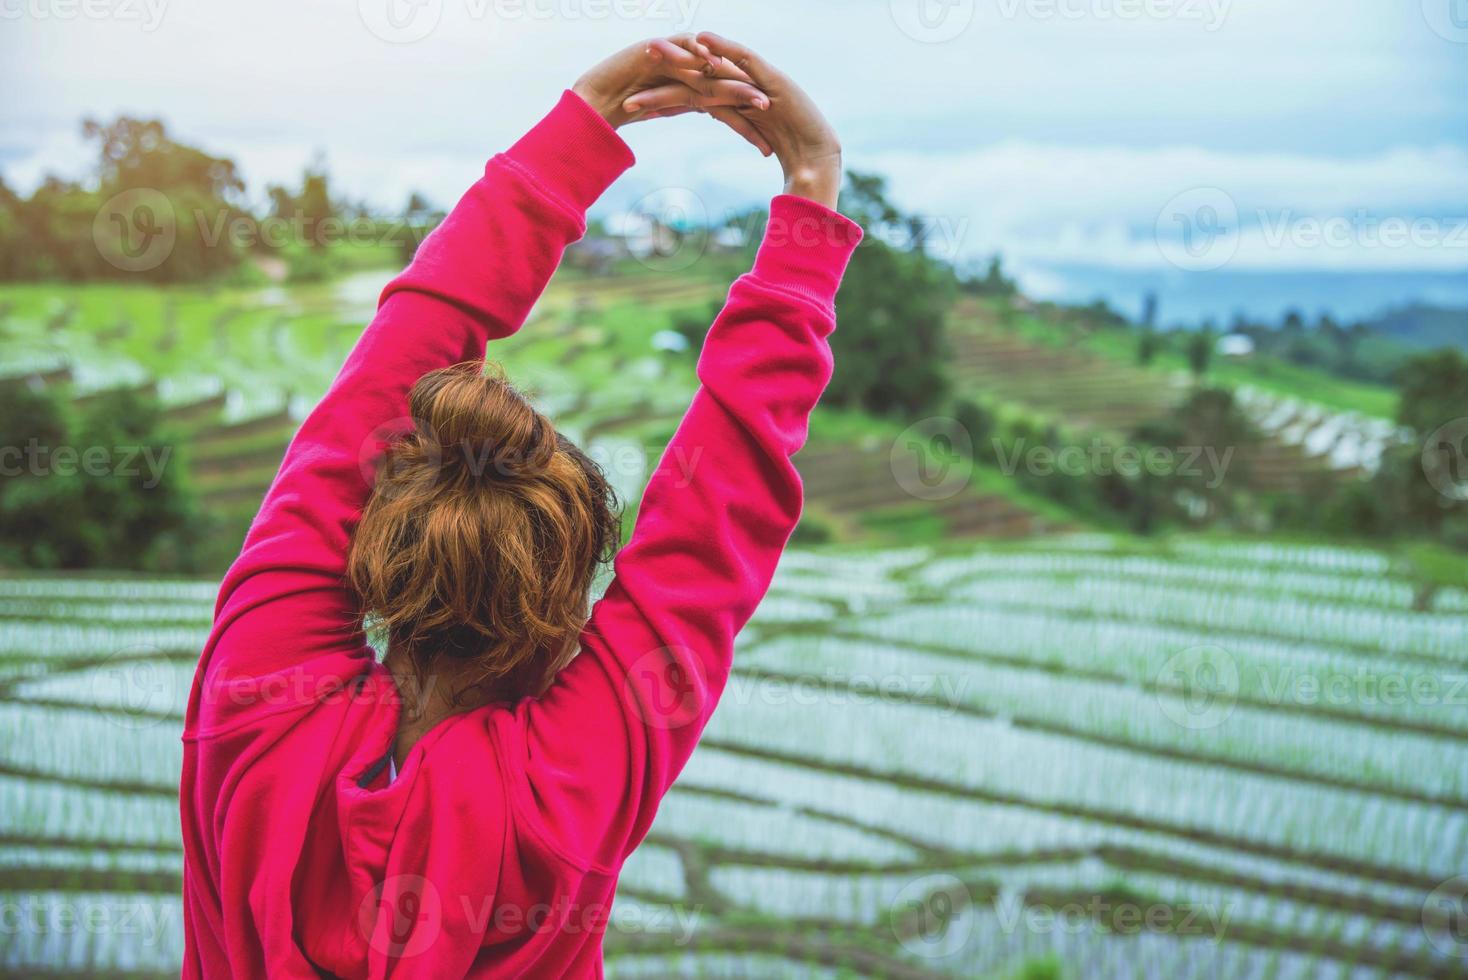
{"x": 742, "y": 126}
{"x": 672, "y": 56}
{"x": 759, "y": 71}
{"x": 698, "y": 49}
{"x": 706, "y": 93}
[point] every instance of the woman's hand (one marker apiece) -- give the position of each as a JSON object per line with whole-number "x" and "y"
{"x": 792, "y": 126}
{"x": 682, "y": 68}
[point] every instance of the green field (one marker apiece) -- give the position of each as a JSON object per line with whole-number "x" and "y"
{"x": 238, "y": 368}
{"x": 923, "y": 753}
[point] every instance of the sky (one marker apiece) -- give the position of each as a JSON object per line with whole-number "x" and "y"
{"x": 1105, "y": 146}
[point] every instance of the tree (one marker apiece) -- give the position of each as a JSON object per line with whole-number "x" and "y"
{"x": 310, "y": 208}
{"x": 1434, "y": 405}
{"x": 993, "y": 282}
{"x": 138, "y": 153}
{"x": 1200, "y": 352}
{"x": 893, "y": 302}
{"x": 95, "y": 487}
{"x": 1147, "y": 344}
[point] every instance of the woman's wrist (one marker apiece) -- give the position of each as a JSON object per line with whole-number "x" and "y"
{"x": 819, "y": 182}
{"x": 605, "y": 106}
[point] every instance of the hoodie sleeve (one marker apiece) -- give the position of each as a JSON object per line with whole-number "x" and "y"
{"x": 284, "y": 612}
{"x": 600, "y": 748}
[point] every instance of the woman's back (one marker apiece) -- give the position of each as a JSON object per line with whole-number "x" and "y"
{"x": 496, "y": 849}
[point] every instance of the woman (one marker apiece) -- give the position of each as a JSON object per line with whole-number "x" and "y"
{"x": 463, "y": 808}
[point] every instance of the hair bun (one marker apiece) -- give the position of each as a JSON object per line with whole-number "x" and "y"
{"x": 478, "y": 419}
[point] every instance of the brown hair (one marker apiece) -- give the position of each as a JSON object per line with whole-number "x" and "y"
{"x": 482, "y": 535}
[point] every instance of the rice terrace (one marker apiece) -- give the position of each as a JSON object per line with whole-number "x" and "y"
{"x": 976, "y": 735}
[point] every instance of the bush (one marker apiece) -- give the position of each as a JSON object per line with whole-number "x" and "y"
{"x": 99, "y": 487}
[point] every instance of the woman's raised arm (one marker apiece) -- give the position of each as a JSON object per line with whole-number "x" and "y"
{"x": 598, "y": 750}
{"x": 284, "y": 607}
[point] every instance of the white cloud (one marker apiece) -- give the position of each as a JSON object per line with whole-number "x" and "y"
{"x": 1398, "y": 209}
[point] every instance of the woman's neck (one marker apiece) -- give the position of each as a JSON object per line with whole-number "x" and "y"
{"x": 428, "y": 698}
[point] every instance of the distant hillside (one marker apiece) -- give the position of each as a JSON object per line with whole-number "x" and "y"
{"x": 1424, "y": 326}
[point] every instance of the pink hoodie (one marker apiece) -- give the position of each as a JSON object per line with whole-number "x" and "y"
{"x": 496, "y": 850}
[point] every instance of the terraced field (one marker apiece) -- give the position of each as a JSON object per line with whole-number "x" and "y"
{"x": 1063, "y": 757}
{"x": 1301, "y": 443}
{"x": 238, "y": 369}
